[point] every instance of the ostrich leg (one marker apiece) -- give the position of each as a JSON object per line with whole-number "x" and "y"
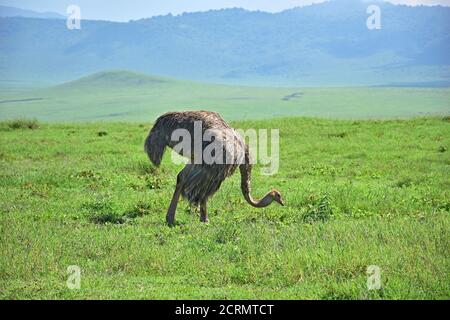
{"x": 170, "y": 217}
{"x": 203, "y": 212}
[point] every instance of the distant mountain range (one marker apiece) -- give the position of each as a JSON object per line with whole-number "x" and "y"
{"x": 16, "y": 12}
{"x": 325, "y": 44}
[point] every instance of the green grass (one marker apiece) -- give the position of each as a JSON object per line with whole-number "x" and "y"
{"x": 358, "y": 193}
{"x": 123, "y": 95}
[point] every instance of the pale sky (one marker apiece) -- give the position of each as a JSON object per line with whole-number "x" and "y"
{"x": 125, "y": 10}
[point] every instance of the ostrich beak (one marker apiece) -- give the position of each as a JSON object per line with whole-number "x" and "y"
{"x": 281, "y": 202}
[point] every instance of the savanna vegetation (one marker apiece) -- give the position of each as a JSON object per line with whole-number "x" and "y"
{"x": 357, "y": 193}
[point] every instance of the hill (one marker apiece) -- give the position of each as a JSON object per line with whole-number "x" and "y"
{"x": 6, "y": 11}
{"x": 326, "y": 44}
{"x": 125, "y": 95}
{"x": 106, "y": 79}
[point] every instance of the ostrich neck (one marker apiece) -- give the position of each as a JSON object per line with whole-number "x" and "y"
{"x": 246, "y": 189}
{"x": 264, "y": 202}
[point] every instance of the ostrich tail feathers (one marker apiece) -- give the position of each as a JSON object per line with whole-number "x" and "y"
{"x": 156, "y": 142}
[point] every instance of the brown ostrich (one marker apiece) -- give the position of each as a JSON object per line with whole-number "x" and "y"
{"x": 198, "y": 181}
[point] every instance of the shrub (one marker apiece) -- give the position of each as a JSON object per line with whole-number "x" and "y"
{"x": 442, "y": 149}
{"x": 101, "y": 211}
{"x": 23, "y": 124}
{"x": 138, "y": 210}
{"x": 404, "y": 183}
{"x": 318, "y": 210}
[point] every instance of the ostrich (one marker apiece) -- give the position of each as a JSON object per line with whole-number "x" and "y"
{"x": 197, "y": 182}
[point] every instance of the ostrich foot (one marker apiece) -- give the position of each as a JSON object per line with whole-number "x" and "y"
{"x": 203, "y": 213}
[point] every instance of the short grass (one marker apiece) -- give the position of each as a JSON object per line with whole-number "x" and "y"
{"x": 358, "y": 193}
{"x": 128, "y": 96}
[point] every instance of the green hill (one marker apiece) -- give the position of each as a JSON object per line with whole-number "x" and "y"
{"x": 121, "y": 78}
{"x": 124, "y": 95}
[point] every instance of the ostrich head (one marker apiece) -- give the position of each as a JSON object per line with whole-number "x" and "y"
{"x": 276, "y": 196}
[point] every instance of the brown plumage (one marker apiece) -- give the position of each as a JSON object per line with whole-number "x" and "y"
{"x": 197, "y": 182}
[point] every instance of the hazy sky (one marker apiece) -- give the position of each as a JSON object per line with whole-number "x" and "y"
{"x": 125, "y": 10}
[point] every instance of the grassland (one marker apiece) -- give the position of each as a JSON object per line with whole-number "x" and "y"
{"x": 358, "y": 193}
{"x": 128, "y": 96}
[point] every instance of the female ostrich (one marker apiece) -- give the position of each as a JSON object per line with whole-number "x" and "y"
{"x": 198, "y": 181}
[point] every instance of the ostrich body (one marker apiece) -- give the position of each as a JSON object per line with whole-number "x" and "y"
{"x": 197, "y": 182}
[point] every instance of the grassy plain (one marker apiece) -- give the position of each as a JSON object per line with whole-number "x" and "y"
{"x": 128, "y": 96}
{"x": 358, "y": 193}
